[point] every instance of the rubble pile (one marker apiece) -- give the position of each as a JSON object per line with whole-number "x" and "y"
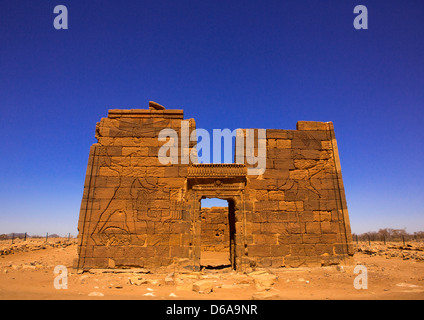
{"x": 7, "y": 248}
{"x": 413, "y": 251}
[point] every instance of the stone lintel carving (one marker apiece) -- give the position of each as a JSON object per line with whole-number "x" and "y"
{"x": 230, "y": 170}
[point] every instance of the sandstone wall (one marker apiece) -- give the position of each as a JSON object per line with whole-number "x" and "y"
{"x": 215, "y": 233}
{"x": 132, "y": 211}
{"x": 299, "y": 212}
{"x": 139, "y": 212}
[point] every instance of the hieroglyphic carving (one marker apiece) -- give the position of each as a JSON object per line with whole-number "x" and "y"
{"x": 144, "y": 194}
{"x": 231, "y": 170}
{"x": 117, "y": 222}
{"x": 175, "y": 210}
{"x": 314, "y": 170}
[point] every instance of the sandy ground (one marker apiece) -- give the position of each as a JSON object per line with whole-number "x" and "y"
{"x": 30, "y": 275}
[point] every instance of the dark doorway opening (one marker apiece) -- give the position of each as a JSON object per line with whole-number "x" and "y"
{"x": 217, "y": 234}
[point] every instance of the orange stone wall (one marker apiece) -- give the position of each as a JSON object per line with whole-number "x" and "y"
{"x": 215, "y": 229}
{"x": 137, "y": 212}
{"x": 299, "y": 211}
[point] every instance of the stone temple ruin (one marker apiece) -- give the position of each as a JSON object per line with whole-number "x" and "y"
{"x": 138, "y": 212}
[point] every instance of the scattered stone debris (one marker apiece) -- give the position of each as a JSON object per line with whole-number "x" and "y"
{"x": 137, "y": 281}
{"x": 263, "y": 280}
{"x": 7, "y": 248}
{"x": 149, "y": 294}
{"x": 169, "y": 280}
{"x": 121, "y": 271}
{"x": 408, "y": 252}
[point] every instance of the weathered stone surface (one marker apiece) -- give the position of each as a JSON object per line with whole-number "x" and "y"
{"x": 263, "y": 280}
{"x": 264, "y": 295}
{"x": 169, "y": 279}
{"x": 203, "y": 286}
{"x": 137, "y": 281}
{"x": 155, "y": 106}
{"x": 139, "y": 212}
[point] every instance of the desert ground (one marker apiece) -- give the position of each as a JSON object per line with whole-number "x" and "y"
{"x": 27, "y": 272}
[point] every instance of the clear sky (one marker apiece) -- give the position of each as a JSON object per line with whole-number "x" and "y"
{"x": 228, "y": 64}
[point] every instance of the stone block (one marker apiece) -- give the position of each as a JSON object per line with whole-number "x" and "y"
{"x": 283, "y": 144}
{"x": 330, "y": 227}
{"x": 259, "y": 250}
{"x": 280, "y": 250}
{"x": 265, "y": 239}
{"x": 276, "y": 195}
{"x": 285, "y": 164}
{"x": 290, "y": 238}
{"x": 311, "y": 125}
{"x": 278, "y": 134}
{"x": 294, "y": 261}
{"x": 295, "y": 206}
{"x": 203, "y": 286}
{"x": 313, "y": 227}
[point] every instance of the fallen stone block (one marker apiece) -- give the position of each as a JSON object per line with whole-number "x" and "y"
{"x": 137, "y": 281}
{"x": 264, "y": 295}
{"x": 203, "y": 286}
{"x": 169, "y": 279}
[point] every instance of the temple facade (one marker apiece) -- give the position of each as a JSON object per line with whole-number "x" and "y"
{"x": 138, "y": 212}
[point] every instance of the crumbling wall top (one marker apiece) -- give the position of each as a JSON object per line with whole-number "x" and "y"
{"x": 143, "y": 113}
{"x": 313, "y": 125}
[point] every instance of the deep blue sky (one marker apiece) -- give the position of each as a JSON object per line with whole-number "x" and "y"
{"x": 228, "y": 64}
